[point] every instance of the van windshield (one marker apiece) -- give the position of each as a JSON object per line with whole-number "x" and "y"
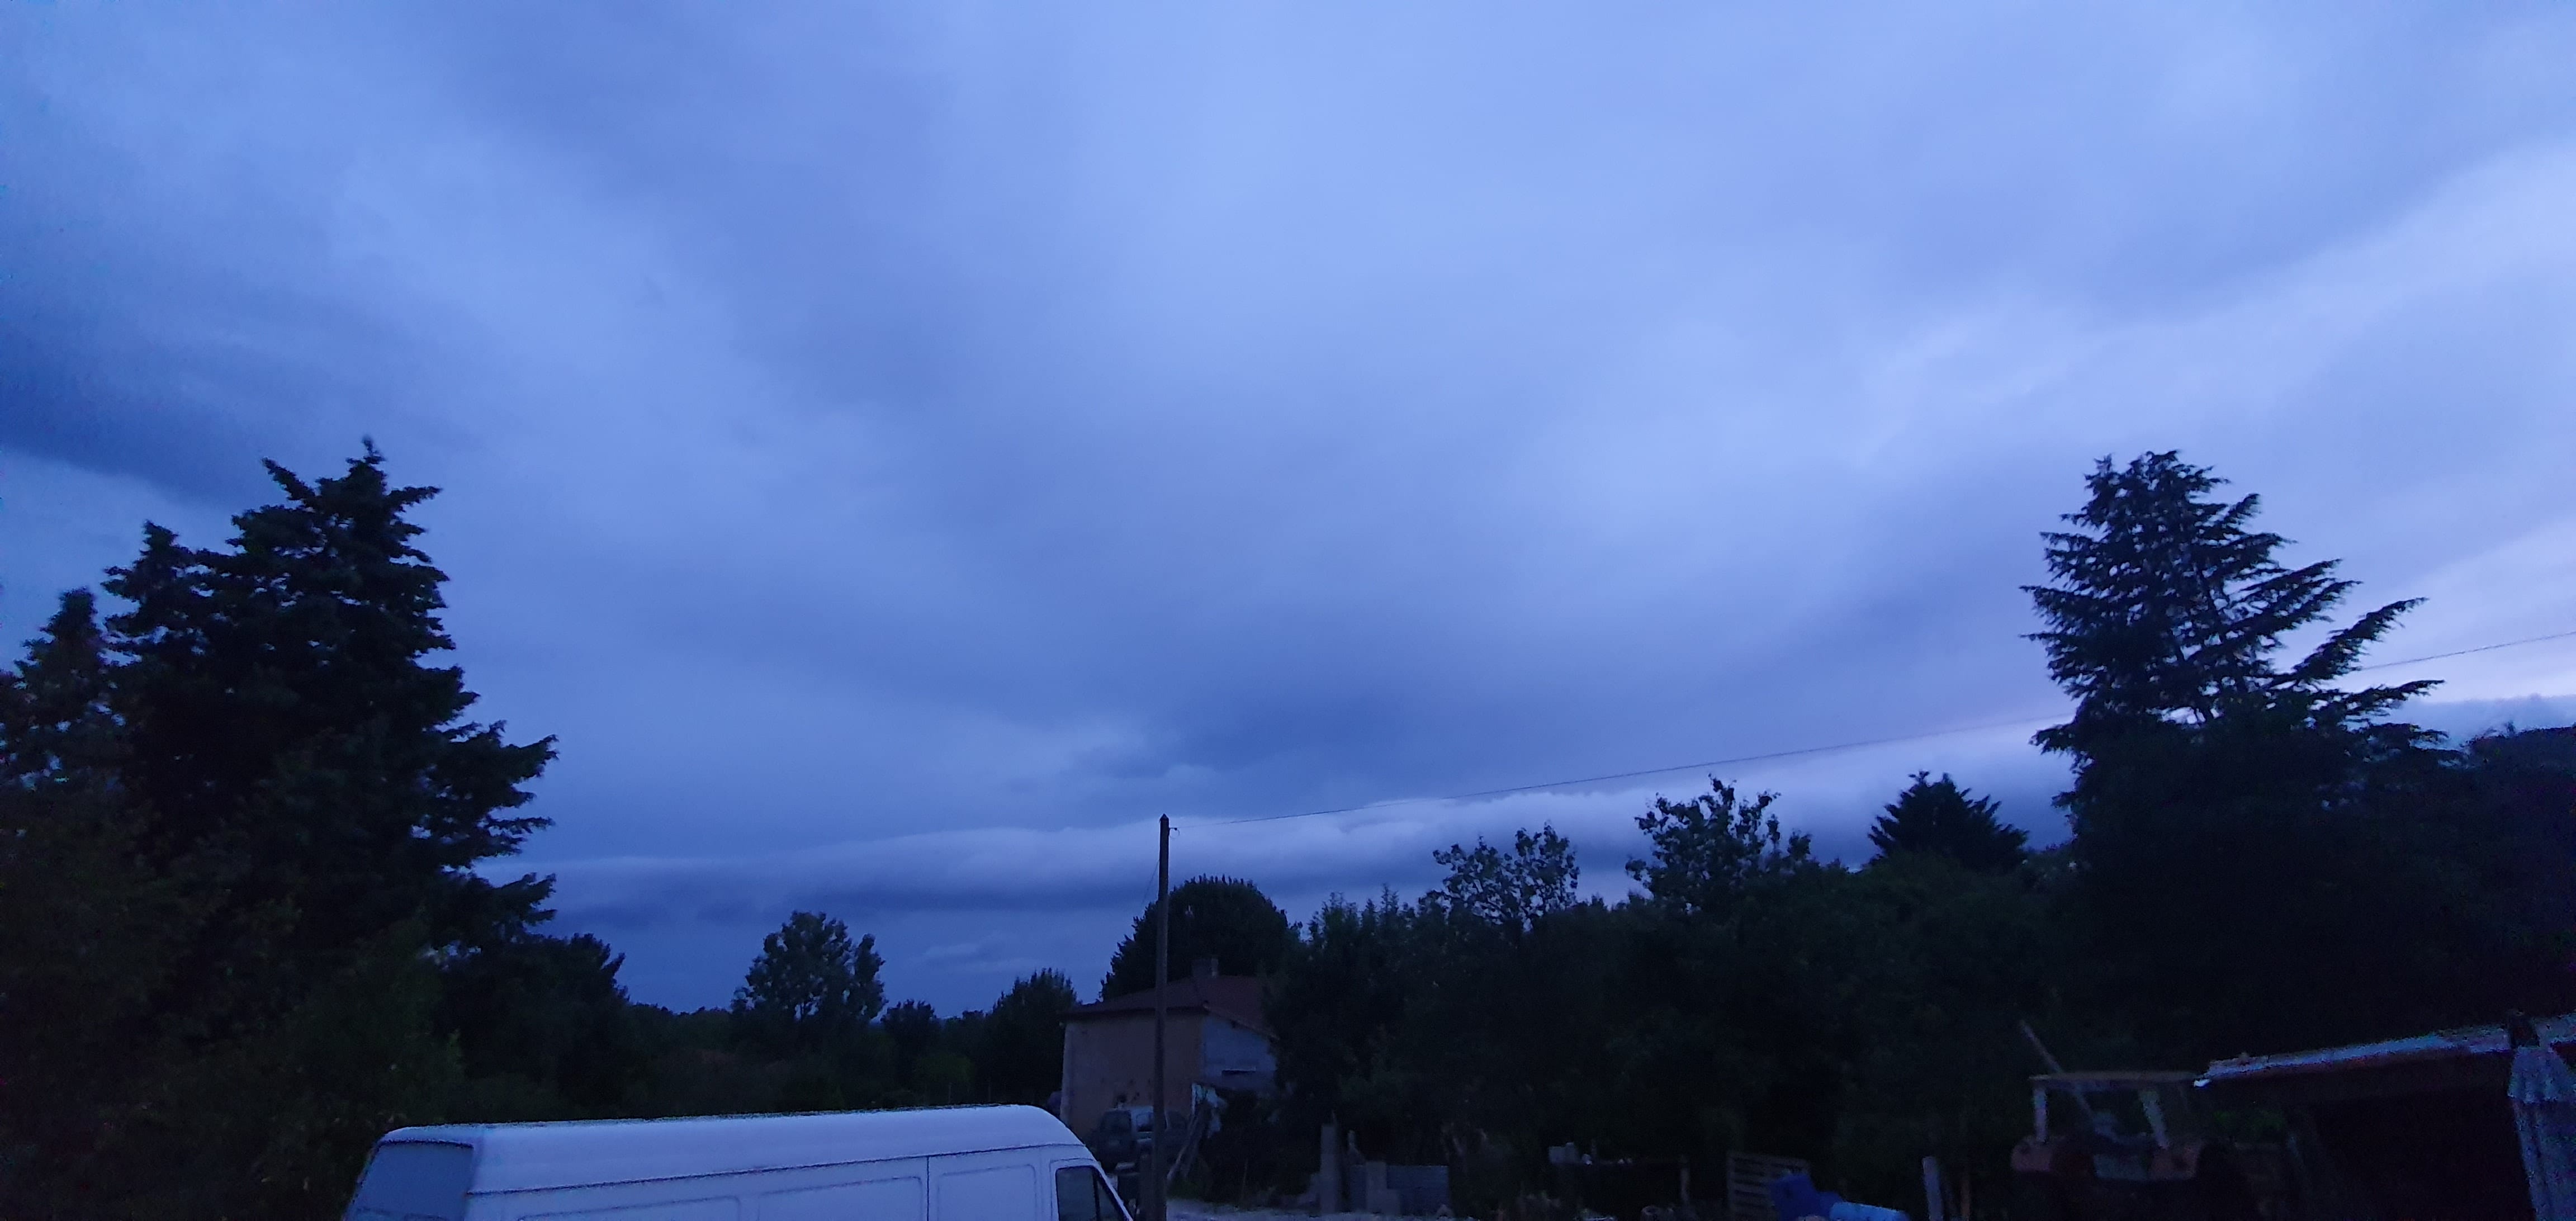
{"x": 406, "y": 1179}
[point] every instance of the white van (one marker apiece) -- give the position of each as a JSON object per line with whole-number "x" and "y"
{"x": 943, "y": 1164}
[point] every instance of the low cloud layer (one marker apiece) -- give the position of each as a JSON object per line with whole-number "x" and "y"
{"x": 899, "y": 451}
{"x": 1061, "y": 897}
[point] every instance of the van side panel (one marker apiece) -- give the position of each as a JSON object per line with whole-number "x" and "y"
{"x": 414, "y": 1181}
{"x": 985, "y": 1187}
{"x": 878, "y": 1200}
{"x": 890, "y": 1190}
{"x": 709, "y": 1208}
{"x": 1002, "y": 1185}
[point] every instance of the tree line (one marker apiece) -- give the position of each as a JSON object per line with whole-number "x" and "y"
{"x": 242, "y": 931}
{"x": 2261, "y": 857}
{"x": 241, "y": 817}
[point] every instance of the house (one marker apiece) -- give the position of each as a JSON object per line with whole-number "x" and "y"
{"x": 1215, "y": 1037}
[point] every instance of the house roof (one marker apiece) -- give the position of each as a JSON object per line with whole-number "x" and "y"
{"x": 534, "y": 1156}
{"x": 1234, "y": 997}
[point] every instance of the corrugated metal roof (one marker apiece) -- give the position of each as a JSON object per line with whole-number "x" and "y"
{"x": 2113, "y": 1078}
{"x": 2439, "y": 1045}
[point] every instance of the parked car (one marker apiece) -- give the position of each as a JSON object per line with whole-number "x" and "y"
{"x": 941, "y": 1164}
{"x": 1124, "y": 1135}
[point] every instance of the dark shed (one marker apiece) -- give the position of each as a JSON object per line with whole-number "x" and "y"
{"x": 2416, "y": 1128}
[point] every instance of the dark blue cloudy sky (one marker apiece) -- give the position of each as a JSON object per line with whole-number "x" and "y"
{"x": 901, "y": 449}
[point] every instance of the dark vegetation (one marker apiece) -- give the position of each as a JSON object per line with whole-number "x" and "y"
{"x": 242, "y": 931}
{"x": 1227, "y": 919}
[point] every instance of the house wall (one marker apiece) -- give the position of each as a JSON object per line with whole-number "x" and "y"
{"x": 1112, "y": 1057}
{"x": 1233, "y": 1056}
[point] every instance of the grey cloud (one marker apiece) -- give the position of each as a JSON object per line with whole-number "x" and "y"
{"x": 1357, "y": 852}
{"x": 1040, "y": 883}
{"x": 863, "y": 424}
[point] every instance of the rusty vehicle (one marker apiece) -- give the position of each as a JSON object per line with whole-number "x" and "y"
{"x": 2125, "y": 1146}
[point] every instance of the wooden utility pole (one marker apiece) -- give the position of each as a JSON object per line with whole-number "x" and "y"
{"x": 1155, "y": 1193}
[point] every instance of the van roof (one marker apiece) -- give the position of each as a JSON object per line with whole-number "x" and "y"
{"x": 536, "y": 1156}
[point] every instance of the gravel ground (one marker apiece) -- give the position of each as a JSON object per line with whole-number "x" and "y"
{"x": 1192, "y": 1210}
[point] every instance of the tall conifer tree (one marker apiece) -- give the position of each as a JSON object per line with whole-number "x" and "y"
{"x": 2250, "y": 838}
{"x": 295, "y": 785}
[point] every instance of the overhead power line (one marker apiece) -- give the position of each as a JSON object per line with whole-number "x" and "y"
{"x": 1769, "y": 756}
{"x": 2484, "y": 648}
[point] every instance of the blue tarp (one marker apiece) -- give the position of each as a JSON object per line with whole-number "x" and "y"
{"x": 1796, "y": 1197}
